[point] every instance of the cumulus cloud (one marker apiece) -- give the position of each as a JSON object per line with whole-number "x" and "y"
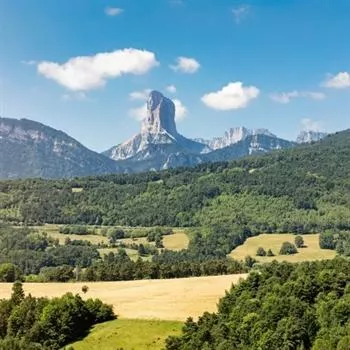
{"x": 140, "y": 95}
{"x": 338, "y": 81}
{"x": 139, "y": 113}
{"x": 186, "y": 65}
{"x": 171, "y": 89}
{"x": 240, "y": 12}
{"x": 308, "y": 124}
{"x": 286, "y": 97}
{"x": 181, "y": 111}
{"x": 91, "y": 72}
{"x": 232, "y": 96}
{"x": 113, "y": 11}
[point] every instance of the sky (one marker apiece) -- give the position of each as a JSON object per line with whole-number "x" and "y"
{"x": 85, "y": 66}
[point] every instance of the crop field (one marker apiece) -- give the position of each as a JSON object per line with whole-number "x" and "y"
{"x": 129, "y": 334}
{"x": 311, "y": 251}
{"x": 173, "y": 299}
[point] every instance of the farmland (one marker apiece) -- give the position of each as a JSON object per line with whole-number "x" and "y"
{"x": 173, "y": 299}
{"x": 310, "y": 252}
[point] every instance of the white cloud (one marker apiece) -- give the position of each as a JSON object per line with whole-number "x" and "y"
{"x": 308, "y": 124}
{"x": 240, "y": 12}
{"x": 171, "y": 89}
{"x": 180, "y": 110}
{"x": 232, "y": 96}
{"x": 286, "y": 97}
{"x": 186, "y": 65}
{"x": 91, "y": 72}
{"x": 140, "y": 95}
{"x": 338, "y": 81}
{"x": 113, "y": 11}
{"x": 139, "y": 113}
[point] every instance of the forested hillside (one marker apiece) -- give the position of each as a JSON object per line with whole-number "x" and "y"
{"x": 279, "y": 307}
{"x": 305, "y": 189}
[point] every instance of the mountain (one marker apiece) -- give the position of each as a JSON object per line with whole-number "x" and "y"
{"x": 158, "y": 128}
{"x": 31, "y": 149}
{"x": 233, "y": 136}
{"x": 310, "y": 136}
{"x": 160, "y": 146}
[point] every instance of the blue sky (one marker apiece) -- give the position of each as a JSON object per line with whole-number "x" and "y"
{"x": 283, "y": 65}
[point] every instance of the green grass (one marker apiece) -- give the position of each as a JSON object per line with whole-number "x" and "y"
{"x": 311, "y": 251}
{"x": 129, "y": 335}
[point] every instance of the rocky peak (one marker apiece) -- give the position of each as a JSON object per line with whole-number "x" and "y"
{"x": 160, "y": 115}
{"x": 308, "y": 136}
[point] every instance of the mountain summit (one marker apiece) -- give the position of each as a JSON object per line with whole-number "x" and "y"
{"x": 158, "y": 128}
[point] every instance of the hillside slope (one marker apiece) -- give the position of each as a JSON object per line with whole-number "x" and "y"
{"x": 31, "y": 149}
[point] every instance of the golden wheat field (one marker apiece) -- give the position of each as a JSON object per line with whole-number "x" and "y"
{"x": 173, "y": 299}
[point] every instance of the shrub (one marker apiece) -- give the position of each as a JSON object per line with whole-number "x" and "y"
{"x": 299, "y": 241}
{"x": 288, "y": 249}
{"x": 270, "y": 253}
{"x": 261, "y": 252}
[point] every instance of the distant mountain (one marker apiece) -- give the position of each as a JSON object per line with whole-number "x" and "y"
{"x": 159, "y": 129}
{"x": 233, "y": 136}
{"x": 31, "y": 149}
{"x": 159, "y": 145}
{"x": 310, "y": 136}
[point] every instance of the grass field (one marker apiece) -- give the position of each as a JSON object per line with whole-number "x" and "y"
{"x": 312, "y": 250}
{"x": 129, "y": 335}
{"x": 177, "y": 241}
{"x": 173, "y": 299}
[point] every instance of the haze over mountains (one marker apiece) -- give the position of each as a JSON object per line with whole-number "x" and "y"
{"x": 31, "y": 149}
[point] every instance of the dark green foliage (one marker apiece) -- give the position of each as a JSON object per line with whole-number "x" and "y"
{"x": 270, "y": 253}
{"x": 9, "y": 273}
{"x": 261, "y": 251}
{"x": 288, "y": 249}
{"x": 40, "y": 323}
{"x": 281, "y": 306}
{"x": 299, "y": 241}
{"x": 327, "y": 240}
{"x": 301, "y": 190}
{"x": 119, "y": 267}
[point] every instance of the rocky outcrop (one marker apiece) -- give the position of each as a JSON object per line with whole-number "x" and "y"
{"x": 158, "y": 128}
{"x": 233, "y": 136}
{"x": 310, "y": 136}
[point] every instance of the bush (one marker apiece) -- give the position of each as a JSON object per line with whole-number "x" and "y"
{"x": 288, "y": 249}
{"x": 270, "y": 253}
{"x": 10, "y": 273}
{"x": 299, "y": 241}
{"x": 261, "y": 252}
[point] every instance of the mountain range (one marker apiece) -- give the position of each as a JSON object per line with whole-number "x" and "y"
{"x": 31, "y": 149}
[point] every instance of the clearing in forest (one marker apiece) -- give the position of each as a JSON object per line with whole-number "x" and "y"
{"x": 311, "y": 251}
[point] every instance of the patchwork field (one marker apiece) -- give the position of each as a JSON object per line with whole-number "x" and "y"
{"x": 311, "y": 251}
{"x": 173, "y": 299}
{"x": 179, "y": 240}
{"x": 129, "y": 334}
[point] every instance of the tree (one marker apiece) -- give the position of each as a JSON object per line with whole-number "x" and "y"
{"x": 17, "y": 293}
{"x": 270, "y": 253}
{"x": 9, "y": 273}
{"x": 261, "y": 252}
{"x": 299, "y": 241}
{"x": 288, "y": 249}
{"x": 84, "y": 289}
{"x": 141, "y": 250}
{"x": 249, "y": 261}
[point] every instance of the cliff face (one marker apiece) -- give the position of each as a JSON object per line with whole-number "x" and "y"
{"x": 158, "y": 128}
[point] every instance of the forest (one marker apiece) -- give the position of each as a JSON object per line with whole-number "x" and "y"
{"x": 280, "y": 306}
{"x": 29, "y": 323}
